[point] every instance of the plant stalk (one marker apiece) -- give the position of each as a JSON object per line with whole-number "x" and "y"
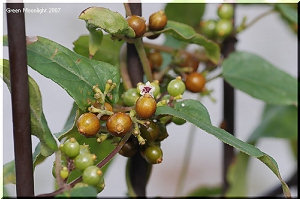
{"x": 20, "y": 100}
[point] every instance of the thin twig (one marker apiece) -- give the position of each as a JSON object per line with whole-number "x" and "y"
{"x": 58, "y": 167}
{"x": 143, "y": 58}
{"x": 127, "y": 9}
{"x": 215, "y": 77}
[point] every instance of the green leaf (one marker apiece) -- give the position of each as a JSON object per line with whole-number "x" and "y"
{"x": 277, "y": 122}
{"x": 288, "y": 12}
{"x": 186, "y": 33}
{"x": 9, "y": 173}
{"x": 190, "y": 115}
{"x": 190, "y": 13}
{"x": 73, "y": 72}
{"x": 237, "y": 176}
{"x": 95, "y": 39}
{"x": 39, "y": 126}
{"x": 109, "y": 50}
{"x": 111, "y": 22}
{"x": 203, "y": 191}
{"x": 88, "y": 191}
{"x": 260, "y": 79}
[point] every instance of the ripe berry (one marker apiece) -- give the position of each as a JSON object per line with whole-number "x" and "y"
{"x": 158, "y": 20}
{"x": 130, "y": 148}
{"x": 224, "y": 27}
{"x": 145, "y": 106}
{"x": 225, "y": 11}
{"x": 195, "y": 82}
{"x": 130, "y": 96}
{"x": 92, "y": 175}
{"x": 208, "y": 28}
{"x": 155, "y": 59}
{"x": 107, "y": 107}
{"x": 84, "y": 160}
{"x": 150, "y": 133}
{"x": 119, "y": 124}
{"x": 153, "y": 154}
{"x": 138, "y": 24}
{"x": 176, "y": 87}
{"x": 88, "y": 124}
{"x": 71, "y": 148}
{"x": 178, "y": 120}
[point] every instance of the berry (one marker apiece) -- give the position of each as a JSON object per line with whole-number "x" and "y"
{"x": 138, "y": 24}
{"x": 101, "y": 185}
{"x": 71, "y": 148}
{"x": 84, "y": 149}
{"x": 88, "y": 124}
{"x": 145, "y": 106}
{"x": 158, "y": 20}
{"x": 181, "y": 58}
{"x": 225, "y": 11}
{"x": 208, "y": 28}
{"x": 195, "y": 82}
{"x": 178, "y": 120}
{"x": 107, "y": 107}
{"x": 119, "y": 124}
{"x": 176, "y": 87}
{"x": 84, "y": 160}
{"x": 130, "y": 97}
{"x": 153, "y": 154}
{"x": 156, "y": 92}
{"x": 92, "y": 175}
{"x": 64, "y": 173}
{"x": 151, "y": 132}
{"x": 130, "y": 148}
{"x": 224, "y": 27}
{"x": 155, "y": 59}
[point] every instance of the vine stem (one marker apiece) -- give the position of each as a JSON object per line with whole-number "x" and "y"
{"x": 256, "y": 19}
{"x": 143, "y": 57}
{"x": 100, "y": 165}
{"x": 186, "y": 160}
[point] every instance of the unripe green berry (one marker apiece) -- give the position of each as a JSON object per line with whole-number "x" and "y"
{"x": 176, "y": 87}
{"x": 71, "y": 148}
{"x": 64, "y": 173}
{"x": 225, "y": 11}
{"x": 84, "y": 160}
{"x": 92, "y": 175}
{"x": 130, "y": 97}
{"x": 224, "y": 28}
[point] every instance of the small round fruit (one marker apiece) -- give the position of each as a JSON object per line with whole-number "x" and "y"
{"x": 225, "y": 11}
{"x": 138, "y": 24}
{"x": 195, "y": 82}
{"x": 156, "y": 92}
{"x": 129, "y": 149}
{"x": 153, "y": 154}
{"x": 107, "y": 107}
{"x": 193, "y": 63}
{"x": 155, "y": 59}
{"x": 101, "y": 185}
{"x": 176, "y": 87}
{"x": 64, "y": 173}
{"x": 181, "y": 58}
{"x": 84, "y": 149}
{"x": 119, "y": 124}
{"x": 224, "y": 28}
{"x": 158, "y": 20}
{"x": 88, "y": 124}
{"x": 178, "y": 120}
{"x": 130, "y": 97}
{"x": 92, "y": 175}
{"x": 208, "y": 28}
{"x": 71, "y": 148}
{"x": 84, "y": 160}
{"x": 151, "y": 133}
{"x": 145, "y": 106}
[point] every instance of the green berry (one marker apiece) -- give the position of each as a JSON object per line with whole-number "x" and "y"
{"x": 92, "y": 175}
{"x": 176, "y": 87}
{"x": 84, "y": 149}
{"x": 71, "y": 148}
{"x": 153, "y": 154}
{"x": 101, "y": 185}
{"x": 130, "y": 97}
{"x": 209, "y": 28}
{"x": 151, "y": 132}
{"x": 156, "y": 92}
{"x": 64, "y": 173}
{"x": 178, "y": 120}
{"x": 224, "y": 28}
{"x": 225, "y": 11}
{"x": 84, "y": 160}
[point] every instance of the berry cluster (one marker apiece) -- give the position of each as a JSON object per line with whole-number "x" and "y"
{"x": 76, "y": 156}
{"x": 157, "y": 21}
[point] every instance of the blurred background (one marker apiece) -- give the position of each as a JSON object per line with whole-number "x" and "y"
{"x": 270, "y": 38}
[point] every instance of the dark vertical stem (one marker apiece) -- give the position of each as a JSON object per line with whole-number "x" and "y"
{"x": 20, "y": 100}
{"x": 139, "y": 169}
{"x": 228, "y": 46}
